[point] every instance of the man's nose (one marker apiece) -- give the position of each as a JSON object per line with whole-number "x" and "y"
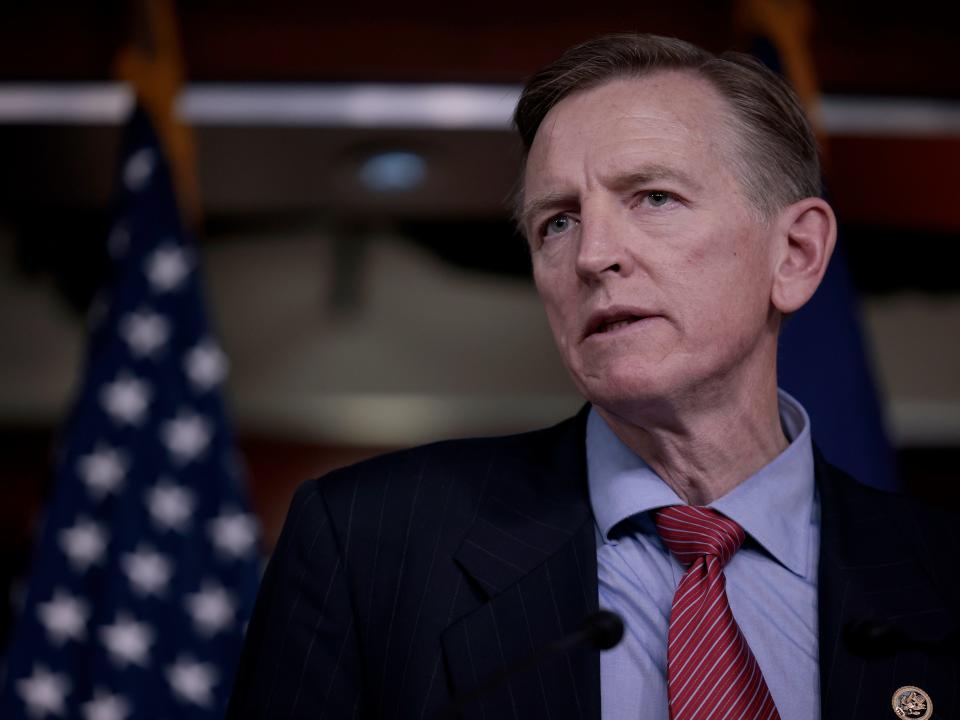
{"x": 601, "y": 250}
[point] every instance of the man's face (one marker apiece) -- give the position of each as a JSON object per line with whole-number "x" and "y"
{"x": 654, "y": 268}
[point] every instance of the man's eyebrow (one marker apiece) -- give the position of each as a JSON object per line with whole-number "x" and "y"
{"x": 618, "y": 181}
{"x": 651, "y": 174}
{"x": 550, "y": 201}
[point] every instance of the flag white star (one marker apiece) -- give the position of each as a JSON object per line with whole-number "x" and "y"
{"x": 44, "y": 692}
{"x": 234, "y": 534}
{"x": 148, "y": 571}
{"x": 126, "y": 399}
{"x": 84, "y": 544}
{"x": 212, "y": 609}
{"x": 106, "y": 706}
{"x": 186, "y": 436}
{"x": 102, "y": 471}
{"x": 64, "y": 617}
{"x": 205, "y": 365}
{"x": 127, "y": 641}
{"x": 167, "y": 267}
{"x": 138, "y": 169}
{"x": 145, "y": 332}
{"x": 192, "y": 682}
{"x": 170, "y": 505}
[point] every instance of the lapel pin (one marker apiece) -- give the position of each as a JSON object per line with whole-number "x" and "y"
{"x": 912, "y": 703}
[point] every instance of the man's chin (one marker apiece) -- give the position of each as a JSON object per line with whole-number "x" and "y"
{"x": 625, "y": 393}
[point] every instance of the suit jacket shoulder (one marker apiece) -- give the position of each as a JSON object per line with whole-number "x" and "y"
{"x": 889, "y": 599}
{"x": 398, "y": 584}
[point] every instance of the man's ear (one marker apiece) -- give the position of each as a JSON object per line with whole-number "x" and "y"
{"x": 806, "y": 233}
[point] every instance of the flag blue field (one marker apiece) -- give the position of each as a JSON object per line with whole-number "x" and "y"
{"x": 148, "y": 561}
{"x": 823, "y": 355}
{"x": 823, "y": 363}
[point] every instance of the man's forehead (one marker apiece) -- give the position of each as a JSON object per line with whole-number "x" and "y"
{"x": 682, "y": 96}
{"x": 671, "y": 111}
{"x": 664, "y": 123}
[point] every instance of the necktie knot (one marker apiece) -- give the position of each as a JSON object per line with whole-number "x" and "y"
{"x": 690, "y": 532}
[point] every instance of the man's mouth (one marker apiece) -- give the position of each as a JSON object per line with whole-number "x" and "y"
{"x": 611, "y": 321}
{"x": 617, "y": 324}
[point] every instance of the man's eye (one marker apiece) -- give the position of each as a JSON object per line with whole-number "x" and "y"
{"x": 658, "y": 198}
{"x": 557, "y": 224}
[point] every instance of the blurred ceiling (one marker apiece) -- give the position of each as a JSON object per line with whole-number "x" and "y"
{"x": 868, "y": 51}
{"x": 858, "y": 47}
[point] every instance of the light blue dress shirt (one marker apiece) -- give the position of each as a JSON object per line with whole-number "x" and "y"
{"x": 771, "y": 581}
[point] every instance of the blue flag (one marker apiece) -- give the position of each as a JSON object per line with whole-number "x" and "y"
{"x": 823, "y": 358}
{"x": 148, "y": 560}
{"x": 823, "y": 363}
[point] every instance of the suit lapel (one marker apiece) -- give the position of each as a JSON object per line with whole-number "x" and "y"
{"x": 870, "y": 570}
{"x": 532, "y": 552}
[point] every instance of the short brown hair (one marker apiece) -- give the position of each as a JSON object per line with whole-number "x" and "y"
{"x": 778, "y": 161}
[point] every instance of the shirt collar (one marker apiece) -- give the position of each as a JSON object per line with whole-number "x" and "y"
{"x": 774, "y": 505}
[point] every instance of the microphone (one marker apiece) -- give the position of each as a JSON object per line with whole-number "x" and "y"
{"x": 870, "y": 637}
{"x": 601, "y": 630}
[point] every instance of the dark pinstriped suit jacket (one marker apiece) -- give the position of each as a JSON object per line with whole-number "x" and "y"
{"x": 404, "y": 580}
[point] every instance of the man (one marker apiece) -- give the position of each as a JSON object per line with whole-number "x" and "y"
{"x": 671, "y": 203}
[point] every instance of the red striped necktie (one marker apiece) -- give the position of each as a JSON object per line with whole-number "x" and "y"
{"x": 711, "y": 672}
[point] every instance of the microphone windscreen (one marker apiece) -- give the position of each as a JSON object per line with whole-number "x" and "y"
{"x": 603, "y": 629}
{"x": 871, "y": 638}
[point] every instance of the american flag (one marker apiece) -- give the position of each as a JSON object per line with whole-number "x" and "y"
{"x": 148, "y": 560}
